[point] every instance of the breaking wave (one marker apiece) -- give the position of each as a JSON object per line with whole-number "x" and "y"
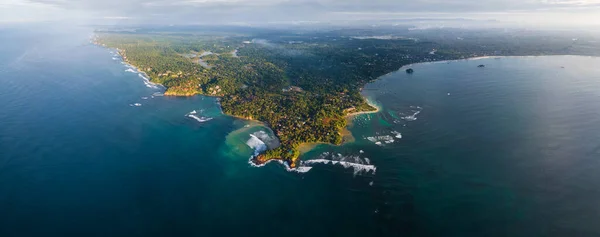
{"x": 200, "y": 119}
{"x": 271, "y": 142}
{"x": 357, "y": 164}
{"x": 301, "y": 169}
{"x": 256, "y": 144}
{"x": 132, "y": 69}
{"x": 416, "y": 110}
{"x": 260, "y": 142}
{"x": 259, "y": 139}
{"x": 147, "y": 81}
{"x": 380, "y": 140}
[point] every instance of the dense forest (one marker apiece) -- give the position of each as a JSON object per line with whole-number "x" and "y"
{"x": 302, "y": 85}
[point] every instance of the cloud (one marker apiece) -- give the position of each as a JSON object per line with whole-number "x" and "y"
{"x": 219, "y": 11}
{"x": 27, "y": 11}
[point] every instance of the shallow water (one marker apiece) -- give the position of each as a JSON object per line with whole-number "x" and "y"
{"x": 512, "y": 151}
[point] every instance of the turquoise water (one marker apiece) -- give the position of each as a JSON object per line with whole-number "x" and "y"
{"x": 507, "y": 150}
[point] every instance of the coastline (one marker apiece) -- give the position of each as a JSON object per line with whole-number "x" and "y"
{"x": 303, "y": 148}
{"x": 484, "y": 57}
{"x": 448, "y": 61}
{"x": 377, "y": 109}
{"x": 309, "y": 146}
{"x": 147, "y": 79}
{"x": 347, "y": 136}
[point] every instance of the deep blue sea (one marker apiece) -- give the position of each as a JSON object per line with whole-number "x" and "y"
{"x": 87, "y": 148}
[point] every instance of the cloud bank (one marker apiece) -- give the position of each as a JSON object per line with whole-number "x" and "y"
{"x": 252, "y": 11}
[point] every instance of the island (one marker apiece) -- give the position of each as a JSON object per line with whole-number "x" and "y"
{"x": 301, "y": 85}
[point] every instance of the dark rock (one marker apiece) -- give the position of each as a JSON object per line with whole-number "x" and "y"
{"x": 481, "y": 65}
{"x": 410, "y": 71}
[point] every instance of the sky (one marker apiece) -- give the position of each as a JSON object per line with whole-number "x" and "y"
{"x": 557, "y": 12}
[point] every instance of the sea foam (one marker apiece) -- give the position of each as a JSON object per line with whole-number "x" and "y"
{"x": 256, "y": 144}
{"x": 200, "y": 119}
{"x": 381, "y": 140}
{"x": 147, "y": 81}
{"x": 357, "y": 164}
{"x": 398, "y": 134}
{"x": 416, "y": 110}
{"x": 260, "y": 141}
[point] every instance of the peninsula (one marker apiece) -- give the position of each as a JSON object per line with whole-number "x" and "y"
{"x": 300, "y": 85}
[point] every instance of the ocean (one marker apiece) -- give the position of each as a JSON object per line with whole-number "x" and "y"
{"x": 89, "y": 148}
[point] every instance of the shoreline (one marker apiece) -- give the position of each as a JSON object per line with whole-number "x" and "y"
{"x": 377, "y": 108}
{"x": 347, "y": 136}
{"x": 145, "y": 77}
{"x": 309, "y": 146}
{"x": 303, "y": 148}
{"x": 485, "y": 57}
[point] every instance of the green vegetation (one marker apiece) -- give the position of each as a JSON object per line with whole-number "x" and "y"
{"x": 301, "y": 85}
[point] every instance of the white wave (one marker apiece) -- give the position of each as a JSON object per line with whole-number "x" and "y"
{"x": 158, "y": 94}
{"x": 349, "y": 162}
{"x": 193, "y": 112}
{"x": 260, "y": 141}
{"x": 258, "y": 145}
{"x": 147, "y": 81}
{"x": 301, "y": 169}
{"x": 142, "y": 75}
{"x": 416, "y": 111}
{"x": 358, "y": 168}
{"x": 263, "y": 136}
{"x": 264, "y": 139}
{"x": 199, "y": 119}
{"x": 380, "y": 140}
{"x": 136, "y": 105}
{"x": 272, "y": 142}
{"x": 144, "y": 98}
{"x": 398, "y": 134}
{"x": 251, "y": 162}
{"x": 412, "y": 117}
{"x": 355, "y": 163}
